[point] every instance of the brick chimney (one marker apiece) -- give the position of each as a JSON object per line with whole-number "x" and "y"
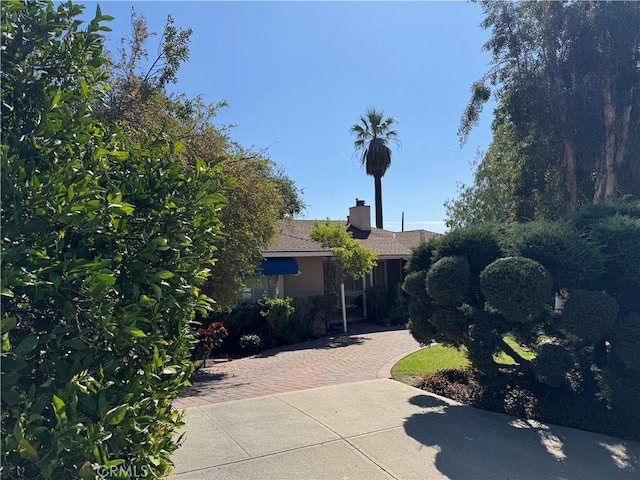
{"x": 360, "y": 216}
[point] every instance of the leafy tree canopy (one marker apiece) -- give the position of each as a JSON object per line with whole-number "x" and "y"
{"x": 259, "y": 192}
{"x": 355, "y": 259}
{"x": 565, "y": 77}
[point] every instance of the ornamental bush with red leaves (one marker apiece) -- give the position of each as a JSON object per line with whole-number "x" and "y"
{"x": 209, "y": 338}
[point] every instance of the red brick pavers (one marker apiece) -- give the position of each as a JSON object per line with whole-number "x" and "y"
{"x": 367, "y": 352}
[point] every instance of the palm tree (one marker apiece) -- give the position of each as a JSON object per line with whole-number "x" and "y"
{"x": 372, "y": 135}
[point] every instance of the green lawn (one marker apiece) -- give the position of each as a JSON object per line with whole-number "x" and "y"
{"x": 439, "y": 357}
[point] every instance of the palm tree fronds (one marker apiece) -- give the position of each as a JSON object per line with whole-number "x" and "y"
{"x": 377, "y": 157}
{"x": 372, "y": 135}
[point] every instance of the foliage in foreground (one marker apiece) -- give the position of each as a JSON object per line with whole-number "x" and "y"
{"x": 104, "y": 244}
{"x": 569, "y": 292}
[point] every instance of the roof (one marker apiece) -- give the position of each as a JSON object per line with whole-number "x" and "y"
{"x": 294, "y": 239}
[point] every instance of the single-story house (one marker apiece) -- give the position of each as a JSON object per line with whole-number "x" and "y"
{"x": 295, "y": 265}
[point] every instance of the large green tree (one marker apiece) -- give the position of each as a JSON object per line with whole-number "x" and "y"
{"x": 259, "y": 192}
{"x": 565, "y": 76}
{"x": 106, "y": 240}
{"x": 373, "y": 134}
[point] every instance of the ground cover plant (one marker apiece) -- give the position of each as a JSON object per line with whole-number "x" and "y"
{"x": 568, "y": 292}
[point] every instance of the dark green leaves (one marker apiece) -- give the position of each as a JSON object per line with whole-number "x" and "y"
{"x": 104, "y": 243}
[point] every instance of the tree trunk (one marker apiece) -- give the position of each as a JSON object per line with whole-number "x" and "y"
{"x": 560, "y": 104}
{"x": 616, "y": 125}
{"x": 378, "y": 192}
{"x": 506, "y": 348}
{"x": 608, "y": 183}
{"x": 571, "y": 171}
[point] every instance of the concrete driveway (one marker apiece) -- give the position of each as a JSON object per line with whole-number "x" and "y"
{"x": 263, "y": 417}
{"x": 382, "y": 429}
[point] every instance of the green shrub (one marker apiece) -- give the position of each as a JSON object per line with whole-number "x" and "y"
{"x": 585, "y": 368}
{"x": 423, "y": 332}
{"x": 520, "y": 402}
{"x": 519, "y": 288}
{"x": 481, "y": 244}
{"x": 399, "y": 309}
{"x": 305, "y": 310}
{"x": 589, "y": 215}
{"x": 415, "y": 284}
{"x": 448, "y": 281}
{"x": 572, "y": 260}
{"x": 422, "y": 255}
{"x": 243, "y": 319}
{"x": 552, "y": 363}
{"x": 279, "y": 313}
{"x": 452, "y": 325}
{"x": 588, "y": 315}
{"x": 251, "y": 343}
{"x": 620, "y": 391}
{"x": 620, "y": 237}
{"x": 104, "y": 244}
{"x": 378, "y": 304}
{"x": 625, "y": 340}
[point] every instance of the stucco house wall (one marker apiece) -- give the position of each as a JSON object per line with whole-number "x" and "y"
{"x": 309, "y": 282}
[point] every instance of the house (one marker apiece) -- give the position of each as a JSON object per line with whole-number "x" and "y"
{"x": 296, "y": 266}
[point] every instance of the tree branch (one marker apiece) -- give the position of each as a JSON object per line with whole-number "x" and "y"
{"x": 506, "y": 348}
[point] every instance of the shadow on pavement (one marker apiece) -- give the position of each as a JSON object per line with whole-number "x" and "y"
{"x": 472, "y": 443}
{"x": 202, "y": 377}
{"x": 335, "y": 340}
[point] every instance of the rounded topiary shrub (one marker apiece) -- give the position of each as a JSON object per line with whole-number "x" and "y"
{"x": 422, "y": 256}
{"x": 422, "y": 330}
{"x": 588, "y": 314}
{"x": 572, "y": 260}
{"x": 552, "y": 363}
{"x": 415, "y": 284}
{"x": 448, "y": 281}
{"x": 518, "y": 287}
{"x": 451, "y": 325}
{"x": 481, "y": 244}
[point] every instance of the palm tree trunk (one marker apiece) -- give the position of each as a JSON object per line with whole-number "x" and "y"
{"x": 378, "y": 190}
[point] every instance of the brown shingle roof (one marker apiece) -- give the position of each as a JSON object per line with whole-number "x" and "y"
{"x": 294, "y": 237}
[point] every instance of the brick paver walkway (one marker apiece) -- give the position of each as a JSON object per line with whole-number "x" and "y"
{"x": 367, "y": 352}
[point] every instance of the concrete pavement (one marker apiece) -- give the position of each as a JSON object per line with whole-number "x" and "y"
{"x": 382, "y": 429}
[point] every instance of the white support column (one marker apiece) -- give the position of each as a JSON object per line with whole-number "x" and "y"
{"x": 344, "y": 307}
{"x": 364, "y": 296}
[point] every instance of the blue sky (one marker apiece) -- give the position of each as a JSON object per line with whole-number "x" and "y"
{"x": 297, "y": 75}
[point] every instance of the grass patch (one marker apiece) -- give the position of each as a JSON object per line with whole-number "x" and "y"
{"x": 524, "y": 352}
{"x": 439, "y": 357}
{"x": 429, "y": 359}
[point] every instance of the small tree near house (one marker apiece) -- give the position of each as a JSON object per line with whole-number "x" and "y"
{"x": 354, "y": 260}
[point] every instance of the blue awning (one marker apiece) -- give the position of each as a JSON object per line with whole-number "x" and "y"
{"x": 279, "y": 266}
